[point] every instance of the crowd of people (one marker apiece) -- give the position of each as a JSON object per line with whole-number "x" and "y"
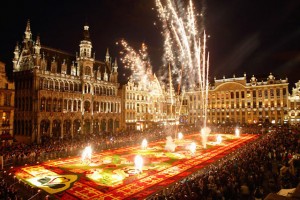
{"x": 52, "y": 148}
{"x": 252, "y": 171}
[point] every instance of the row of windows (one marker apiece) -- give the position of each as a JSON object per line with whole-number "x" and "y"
{"x": 68, "y": 105}
{"x": 23, "y": 127}
{"x": 24, "y": 104}
{"x": 243, "y": 105}
{"x": 278, "y": 112}
{"x": 248, "y": 94}
{"x": 75, "y": 87}
{"x": 133, "y": 96}
{"x": 6, "y": 101}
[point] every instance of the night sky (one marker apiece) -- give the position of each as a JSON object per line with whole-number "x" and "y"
{"x": 252, "y": 36}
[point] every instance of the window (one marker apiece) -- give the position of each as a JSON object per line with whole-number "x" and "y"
{"x": 7, "y": 98}
{"x": 66, "y": 86}
{"x": 231, "y": 95}
{"x": 266, "y": 94}
{"x": 87, "y": 70}
{"x": 278, "y": 92}
{"x": 259, "y": 93}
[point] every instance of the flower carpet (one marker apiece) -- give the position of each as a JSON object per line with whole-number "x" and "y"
{"x": 112, "y": 175}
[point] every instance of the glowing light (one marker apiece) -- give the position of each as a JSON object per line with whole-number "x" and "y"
{"x": 237, "y": 132}
{"x": 138, "y": 163}
{"x": 204, "y": 134}
{"x": 170, "y": 145}
{"x": 219, "y": 139}
{"x": 185, "y": 47}
{"x": 193, "y": 148}
{"x": 180, "y": 136}
{"x": 144, "y": 144}
{"x": 137, "y": 61}
{"x": 87, "y": 154}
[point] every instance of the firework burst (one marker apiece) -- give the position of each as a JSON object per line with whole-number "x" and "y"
{"x": 137, "y": 61}
{"x": 185, "y": 47}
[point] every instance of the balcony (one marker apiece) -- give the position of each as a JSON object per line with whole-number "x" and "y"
{"x": 5, "y": 125}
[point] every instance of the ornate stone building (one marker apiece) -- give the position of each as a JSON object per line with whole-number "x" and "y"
{"x": 234, "y": 100}
{"x": 61, "y": 95}
{"x": 294, "y": 105}
{"x": 147, "y": 104}
{"x": 7, "y": 95}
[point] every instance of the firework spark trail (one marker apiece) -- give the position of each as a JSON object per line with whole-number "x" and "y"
{"x": 187, "y": 45}
{"x": 137, "y": 62}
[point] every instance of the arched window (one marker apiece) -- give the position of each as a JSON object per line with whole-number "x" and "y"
{"x": 43, "y": 102}
{"x": 41, "y": 84}
{"x": 54, "y": 107}
{"x": 56, "y": 85}
{"x": 87, "y": 106}
{"x": 45, "y": 84}
{"x": 71, "y": 87}
{"x": 66, "y": 86}
{"x": 48, "y": 108}
{"x": 51, "y": 84}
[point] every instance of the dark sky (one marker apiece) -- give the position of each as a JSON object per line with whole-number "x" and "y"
{"x": 252, "y": 36}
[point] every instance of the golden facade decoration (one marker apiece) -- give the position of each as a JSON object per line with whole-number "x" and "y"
{"x": 62, "y": 96}
{"x": 234, "y": 100}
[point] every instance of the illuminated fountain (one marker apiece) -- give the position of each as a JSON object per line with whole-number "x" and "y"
{"x": 170, "y": 145}
{"x": 144, "y": 144}
{"x": 138, "y": 164}
{"x": 193, "y": 148}
{"x": 219, "y": 139}
{"x": 204, "y": 134}
{"x": 180, "y": 136}
{"x": 237, "y": 132}
{"x": 185, "y": 51}
{"x": 86, "y": 156}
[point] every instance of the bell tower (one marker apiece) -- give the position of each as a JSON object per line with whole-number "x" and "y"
{"x": 85, "y": 59}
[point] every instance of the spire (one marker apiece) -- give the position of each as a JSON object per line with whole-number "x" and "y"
{"x": 37, "y": 45}
{"x": 16, "y": 57}
{"x": 107, "y": 58}
{"x": 38, "y": 41}
{"x": 85, "y": 47}
{"x": 105, "y": 77}
{"x": 115, "y": 69}
{"x": 17, "y": 49}
{"x": 28, "y": 31}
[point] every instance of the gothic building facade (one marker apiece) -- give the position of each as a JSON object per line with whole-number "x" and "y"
{"x": 294, "y": 105}
{"x": 235, "y": 100}
{"x": 61, "y": 95}
{"x": 148, "y": 103}
{"x": 7, "y": 95}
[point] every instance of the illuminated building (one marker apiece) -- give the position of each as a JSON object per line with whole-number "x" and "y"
{"x": 7, "y": 95}
{"x": 294, "y": 105}
{"x": 147, "y": 104}
{"x": 61, "y": 95}
{"x": 234, "y": 100}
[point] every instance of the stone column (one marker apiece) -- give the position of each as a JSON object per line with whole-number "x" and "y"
{"x": 62, "y": 129}
{"x": 72, "y": 129}
{"x": 51, "y": 123}
{"x": 38, "y": 139}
